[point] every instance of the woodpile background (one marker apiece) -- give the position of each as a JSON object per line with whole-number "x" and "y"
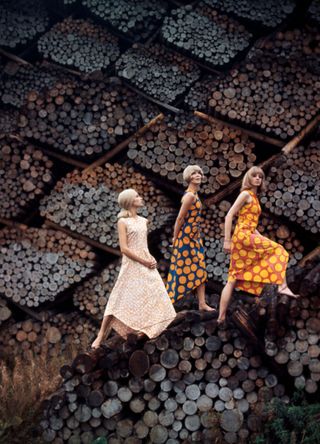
{"x": 97, "y": 96}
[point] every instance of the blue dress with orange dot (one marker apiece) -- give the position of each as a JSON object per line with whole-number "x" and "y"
{"x": 187, "y": 266}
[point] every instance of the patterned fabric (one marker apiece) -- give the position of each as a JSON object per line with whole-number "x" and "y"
{"x": 139, "y": 301}
{"x": 187, "y": 268}
{"x": 255, "y": 259}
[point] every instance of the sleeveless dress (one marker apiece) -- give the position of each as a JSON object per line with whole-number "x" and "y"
{"x": 187, "y": 266}
{"x": 255, "y": 260}
{"x": 139, "y": 301}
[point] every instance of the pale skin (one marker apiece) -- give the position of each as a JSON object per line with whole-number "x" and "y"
{"x": 137, "y": 203}
{"x": 187, "y": 201}
{"x": 243, "y": 198}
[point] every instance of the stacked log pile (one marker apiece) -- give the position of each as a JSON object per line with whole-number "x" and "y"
{"x": 84, "y": 119}
{"x": 298, "y": 348}
{"x": 134, "y": 19}
{"x": 8, "y": 121}
{"x": 314, "y": 11}
{"x": 293, "y": 187}
{"x": 25, "y": 174}
{"x": 183, "y": 139}
{"x": 5, "y": 312}
{"x": 21, "y": 21}
{"x": 275, "y": 90}
{"x": 79, "y": 44}
{"x": 87, "y": 202}
{"x": 19, "y": 83}
{"x": 38, "y": 264}
{"x": 193, "y": 383}
{"x": 205, "y": 35}
{"x": 53, "y": 336}
{"x": 160, "y": 74}
{"x": 91, "y": 296}
{"x": 197, "y": 97}
{"x": 269, "y": 14}
{"x": 212, "y": 228}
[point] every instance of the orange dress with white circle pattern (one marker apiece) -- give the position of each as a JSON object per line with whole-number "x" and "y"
{"x": 255, "y": 259}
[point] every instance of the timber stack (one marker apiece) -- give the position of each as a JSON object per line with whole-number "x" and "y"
{"x": 91, "y": 296}
{"x": 86, "y": 202}
{"x": 25, "y": 176}
{"x": 293, "y": 186}
{"x": 79, "y": 44}
{"x": 133, "y": 20}
{"x": 8, "y": 121}
{"x": 21, "y": 21}
{"x": 55, "y": 334}
{"x": 5, "y": 312}
{"x": 274, "y": 90}
{"x": 84, "y": 119}
{"x": 38, "y": 264}
{"x": 176, "y": 141}
{"x": 160, "y": 74}
{"x": 194, "y": 382}
{"x": 207, "y": 36}
{"x": 268, "y": 15}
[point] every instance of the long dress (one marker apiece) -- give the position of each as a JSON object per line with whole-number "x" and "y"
{"x": 255, "y": 259}
{"x": 187, "y": 265}
{"x": 139, "y": 301}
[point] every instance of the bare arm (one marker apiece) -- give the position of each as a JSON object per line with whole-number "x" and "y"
{"x": 241, "y": 200}
{"x": 187, "y": 201}
{"x": 122, "y": 232}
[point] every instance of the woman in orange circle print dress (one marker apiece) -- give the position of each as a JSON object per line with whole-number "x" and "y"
{"x": 255, "y": 260}
{"x": 187, "y": 268}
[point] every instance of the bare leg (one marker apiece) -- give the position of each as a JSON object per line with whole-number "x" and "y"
{"x": 202, "y": 298}
{"x": 102, "y": 332}
{"x": 284, "y": 289}
{"x": 225, "y": 299}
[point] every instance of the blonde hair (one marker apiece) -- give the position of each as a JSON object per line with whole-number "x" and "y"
{"x": 125, "y": 200}
{"x": 246, "y": 181}
{"x": 187, "y": 172}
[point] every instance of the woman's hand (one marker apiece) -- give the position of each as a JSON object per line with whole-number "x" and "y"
{"x": 227, "y": 246}
{"x": 151, "y": 263}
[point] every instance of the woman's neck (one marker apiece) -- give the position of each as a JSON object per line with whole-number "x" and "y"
{"x": 254, "y": 189}
{"x": 193, "y": 188}
{"x": 133, "y": 212}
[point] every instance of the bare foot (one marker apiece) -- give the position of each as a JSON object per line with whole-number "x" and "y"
{"x": 96, "y": 343}
{"x": 206, "y": 307}
{"x": 286, "y": 290}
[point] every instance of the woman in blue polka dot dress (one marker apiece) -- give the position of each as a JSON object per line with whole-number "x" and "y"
{"x": 187, "y": 268}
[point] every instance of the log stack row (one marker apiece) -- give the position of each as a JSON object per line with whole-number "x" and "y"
{"x": 274, "y": 92}
{"x": 19, "y": 83}
{"x": 314, "y": 11}
{"x": 79, "y": 44}
{"x": 21, "y": 21}
{"x": 205, "y": 35}
{"x": 160, "y": 74}
{"x": 183, "y": 139}
{"x": 135, "y": 20}
{"x": 25, "y": 175}
{"x": 269, "y": 14}
{"x": 8, "y": 121}
{"x": 91, "y": 296}
{"x": 212, "y": 228}
{"x": 38, "y": 264}
{"x": 193, "y": 383}
{"x": 87, "y": 202}
{"x": 5, "y": 312}
{"x": 293, "y": 187}
{"x": 197, "y": 97}
{"x": 84, "y": 119}
{"x": 53, "y": 336}
{"x": 298, "y": 348}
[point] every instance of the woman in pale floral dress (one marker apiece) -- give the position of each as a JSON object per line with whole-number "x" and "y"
{"x": 139, "y": 301}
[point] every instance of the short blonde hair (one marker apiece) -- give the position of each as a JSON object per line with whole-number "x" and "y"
{"x": 187, "y": 172}
{"x": 246, "y": 181}
{"x": 125, "y": 200}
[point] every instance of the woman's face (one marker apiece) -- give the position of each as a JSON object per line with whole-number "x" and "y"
{"x": 196, "y": 178}
{"x": 256, "y": 179}
{"x": 137, "y": 201}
